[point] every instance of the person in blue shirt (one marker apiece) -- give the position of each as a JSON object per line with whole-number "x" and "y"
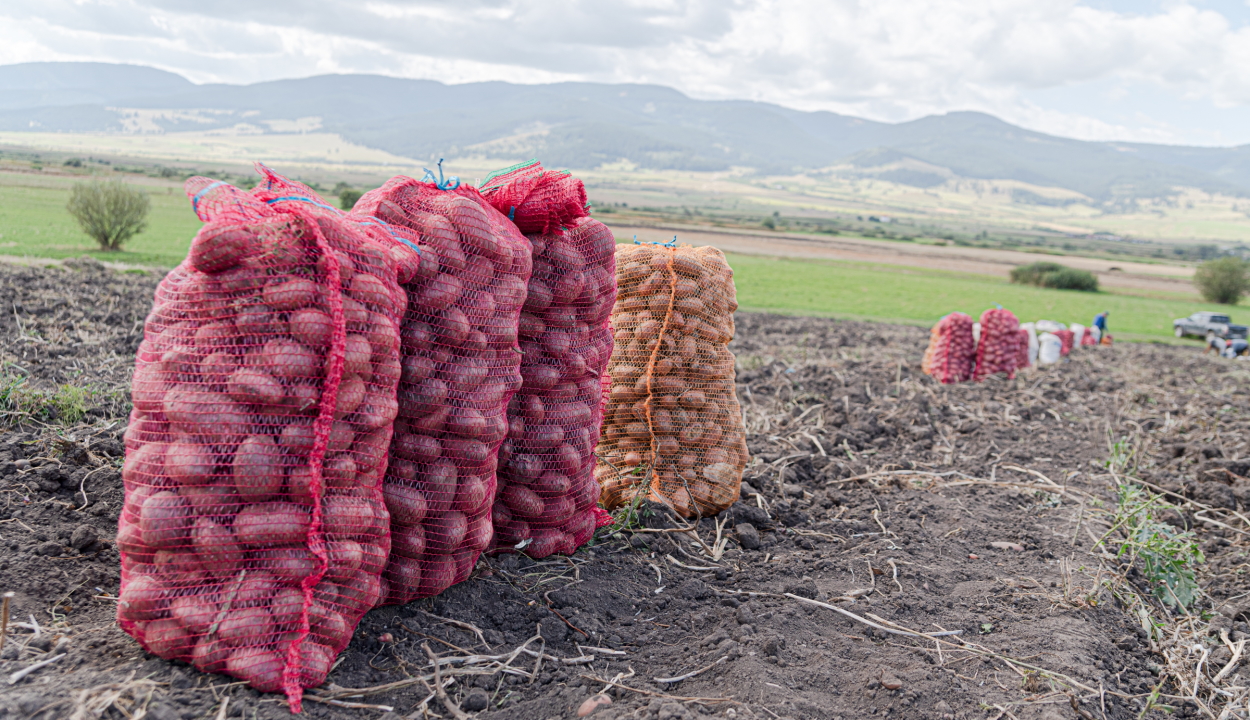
{"x": 1100, "y": 322}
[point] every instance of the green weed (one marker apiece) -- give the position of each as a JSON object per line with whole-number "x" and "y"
{"x": 1168, "y": 556}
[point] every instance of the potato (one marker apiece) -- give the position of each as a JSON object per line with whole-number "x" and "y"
{"x": 351, "y": 393}
{"x": 195, "y": 613}
{"x": 339, "y": 471}
{"x": 257, "y": 469}
{"x": 297, "y": 438}
{"x": 472, "y": 492}
{"x": 168, "y": 639}
{"x": 522, "y": 501}
{"x": 146, "y": 465}
{"x": 290, "y": 360}
{"x": 291, "y": 564}
{"x": 350, "y": 517}
{"x": 130, "y": 542}
{"x": 407, "y": 505}
{"x": 216, "y": 248}
{"x": 408, "y": 541}
{"x": 291, "y": 294}
{"x": 315, "y": 663}
{"x": 210, "y": 654}
{"x": 404, "y": 575}
{"x": 164, "y": 520}
{"x": 258, "y": 667}
{"x": 312, "y": 327}
{"x": 545, "y": 542}
{"x": 438, "y": 574}
{"x": 287, "y": 606}
{"x": 216, "y": 547}
{"x": 357, "y": 356}
{"x": 330, "y": 628}
{"x": 211, "y": 415}
{"x": 341, "y": 436}
{"x": 271, "y": 523}
{"x": 219, "y": 498}
{"x": 256, "y": 589}
{"x": 143, "y": 598}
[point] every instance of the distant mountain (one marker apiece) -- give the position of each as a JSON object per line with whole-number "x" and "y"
{"x": 583, "y": 125}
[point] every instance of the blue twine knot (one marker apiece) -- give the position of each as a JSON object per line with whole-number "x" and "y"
{"x": 440, "y": 182}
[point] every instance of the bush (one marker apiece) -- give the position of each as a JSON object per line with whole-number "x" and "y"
{"x": 348, "y": 198}
{"x": 1222, "y": 281}
{"x": 1053, "y": 275}
{"x": 109, "y": 212}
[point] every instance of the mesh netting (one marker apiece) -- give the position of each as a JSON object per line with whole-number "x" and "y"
{"x": 1022, "y": 349}
{"x": 254, "y": 532}
{"x": 951, "y": 354}
{"x": 1089, "y": 337}
{"x": 1067, "y": 339}
{"x": 547, "y": 489}
{"x": 535, "y": 199}
{"x": 672, "y": 427}
{"x": 997, "y": 349}
{"x": 461, "y": 366}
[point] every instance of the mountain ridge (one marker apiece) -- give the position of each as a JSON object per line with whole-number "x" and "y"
{"x": 584, "y": 125}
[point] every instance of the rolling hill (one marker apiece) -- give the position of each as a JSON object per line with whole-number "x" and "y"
{"x": 584, "y": 125}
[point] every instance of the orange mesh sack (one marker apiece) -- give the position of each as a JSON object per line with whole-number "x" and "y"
{"x": 951, "y": 354}
{"x": 998, "y": 348}
{"x": 461, "y": 366}
{"x": 547, "y": 490}
{"x": 254, "y": 533}
{"x": 672, "y": 427}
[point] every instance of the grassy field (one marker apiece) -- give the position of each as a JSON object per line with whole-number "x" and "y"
{"x": 894, "y": 294}
{"x": 34, "y": 222}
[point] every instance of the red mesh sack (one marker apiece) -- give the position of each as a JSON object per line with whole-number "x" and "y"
{"x": 547, "y": 490}
{"x": 951, "y": 354}
{"x": 672, "y": 428}
{"x": 1087, "y": 338}
{"x": 536, "y": 200}
{"x": 1067, "y": 339}
{"x": 997, "y": 350}
{"x": 254, "y": 533}
{"x": 461, "y": 366}
{"x": 1022, "y": 349}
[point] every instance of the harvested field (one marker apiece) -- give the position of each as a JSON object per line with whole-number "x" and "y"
{"x": 915, "y": 507}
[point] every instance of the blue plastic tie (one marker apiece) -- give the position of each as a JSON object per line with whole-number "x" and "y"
{"x": 195, "y": 201}
{"x": 440, "y": 182}
{"x": 669, "y": 244}
{"x": 391, "y": 231}
{"x": 301, "y": 198}
{"x": 512, "y": 213}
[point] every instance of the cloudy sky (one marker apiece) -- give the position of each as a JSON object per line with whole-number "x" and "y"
{"x": 1175, "y": 71}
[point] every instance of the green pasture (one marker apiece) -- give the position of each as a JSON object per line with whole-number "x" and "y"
{"x": 918, "y": 296}
{"x": 34, "y": 222}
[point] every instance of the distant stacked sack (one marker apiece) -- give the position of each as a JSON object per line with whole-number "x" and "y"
{"x": 951, "y": 355}
{"x": 254, "y": 531}
{"x": 997, "y": 350}
{"x": 547, "y": 490}
{"x": 673, "y": 428}
{"x": 1022, "y": 349}
{"x": 461, "y": 365}
{"x": 1067, "y": 340}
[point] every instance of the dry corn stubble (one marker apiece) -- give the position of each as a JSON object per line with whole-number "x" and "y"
{"x": 673, "y": 429}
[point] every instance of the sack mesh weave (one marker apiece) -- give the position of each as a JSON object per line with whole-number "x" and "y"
{"x": 1067, "y": 340}
{"x": 547, "y": 490}
{"x": 672, "y": 427}
{"x": 461, "y": 367}
{"x": 998, "y": 348}
{"x": 951, "y": 354}
{"x": 253, "y": 533}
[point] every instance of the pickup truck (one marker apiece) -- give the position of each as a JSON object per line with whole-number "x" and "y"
{"x": 1202, "y": 324}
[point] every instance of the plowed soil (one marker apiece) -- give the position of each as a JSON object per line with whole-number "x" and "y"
{"x": 971, "y": 509}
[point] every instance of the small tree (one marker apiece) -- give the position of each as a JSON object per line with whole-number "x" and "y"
{"x": 348, "y": 198}
{"x": 1223, "y": 280}
{"x": 110, "y": 212}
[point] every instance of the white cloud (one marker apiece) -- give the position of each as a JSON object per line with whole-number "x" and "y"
{"x": 883, "y": 59}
